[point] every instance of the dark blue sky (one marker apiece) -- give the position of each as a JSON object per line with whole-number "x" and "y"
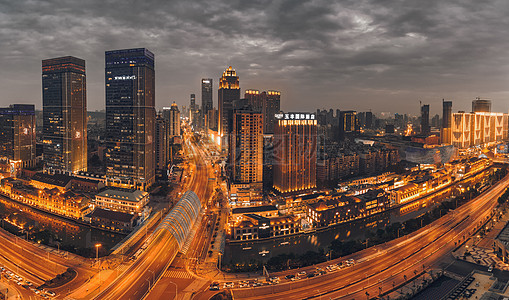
{"x": 382, "y": 55}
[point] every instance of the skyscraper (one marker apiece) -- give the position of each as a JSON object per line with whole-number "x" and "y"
{"x": 172, "y": 114}
{"x": 425, "y": 128}
{"x": 162, "y": 145}
{"x": 17, "y": 135}
{"x": 246, "y": 153}
{"x": 446, "y": 133}
{"x": 64, "y": 105}
{"x": 348, "y": 124}
{"x": 481, "y": 105}
{"x": 206, "y": 95}
{"x": 229, "y": 90}
{"x": 130, "y": 117}
{"x": 271, "y": 107}
{"x": 255, "y": 99}
{"x": 295, "y": 152}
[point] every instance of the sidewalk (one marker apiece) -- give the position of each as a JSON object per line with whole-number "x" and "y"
{"x": 13, "y": 291}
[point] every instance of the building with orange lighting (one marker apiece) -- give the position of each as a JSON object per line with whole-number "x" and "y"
{"x": 17, "y": 135}
{"x": 64, "y": 106}
{"x": 295, "y": 152}
{"x": 254, "y": 226}
{"x": 126, "y": 201}
{"x": 478, "y": 128}
{"x": 229, "y": 91}
{"x": 56, "y": 201}
{"x": 266, "y": 102}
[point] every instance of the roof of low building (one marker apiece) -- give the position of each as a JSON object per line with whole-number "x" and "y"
{"x": 60, "y": 180}
{"x": 112, "y": 215}
{"x": 253, "y": 209}
{"x": 126, "y": 195}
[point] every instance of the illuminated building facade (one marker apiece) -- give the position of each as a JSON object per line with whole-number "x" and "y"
{"x": 130, "y": 118}
{"x": 127, "y": 201}
{"x": 473, "y": 129}
{"x": 446, "y": 134}
{"x": 348, "y": 124}
{"x": 255, "y": 99}
{"x": 229, "y": 91}
{"x": 64, "y": 105}
{"x": 481, "y": 105}
{"x": 246, "y": 149}
{"x": 63, "y": 203}
{"x": 162, "y": 143}
{"x": 17, "y": 135}
{"x": 172, "y": 115}
{"x": 295, "y": 152}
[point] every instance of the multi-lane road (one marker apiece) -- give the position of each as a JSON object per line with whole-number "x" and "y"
{"x": 145, "y": 272}
{"x": 393, "y": 263}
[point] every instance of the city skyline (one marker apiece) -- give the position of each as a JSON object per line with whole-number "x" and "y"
{"x": 347, "y": 56}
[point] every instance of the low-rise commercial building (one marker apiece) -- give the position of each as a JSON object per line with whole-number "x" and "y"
{"x": 127, "y": 201}
{"x": 112, "y": 220}
{"x": 254, "y": 226}
{"x": 63, "y": 203}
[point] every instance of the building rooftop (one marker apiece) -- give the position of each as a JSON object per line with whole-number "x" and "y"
{"x": 112, "y": 215}
{"x": 253, "y": 209}
{"x": 127, "y": 195}
{"x": 60, "y": 180}
{"x": 503, "y": 236}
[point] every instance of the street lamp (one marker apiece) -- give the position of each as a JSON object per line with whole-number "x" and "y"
{"x": 176, "y": 290}
{"x": 153, "y": 276}
{"x": 97, "y": 253}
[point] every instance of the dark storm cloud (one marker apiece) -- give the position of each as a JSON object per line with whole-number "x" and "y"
{"x": 383, "y": 55}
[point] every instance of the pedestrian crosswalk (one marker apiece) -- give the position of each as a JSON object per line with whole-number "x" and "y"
{"x": 170, "y": 273}
{"x": 122, "y": 268}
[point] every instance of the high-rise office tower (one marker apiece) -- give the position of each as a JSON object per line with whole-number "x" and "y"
{"x": 369, "y": 120}
{"x": 446, "y": 132}
{"x": 130, "y": 117}
{"x": 481, "y": 105}
{"x": 425, "y": 128}
{"x": 162, "y": 145}
{"x": 64, "y": 106}
{"x": 246, "y": 148}
{"x": 255, "y": 99}
{"x": 295, "y": 152}
{"x": 192, "y": 102}
{"x": 271, "y": 107}
{"x": 229, "y": 90}
{"x": 172, "y": 114}
{"x": 348, "y": 124}
{"x": 17, "y": 135}
{"x": 206, "y": 95}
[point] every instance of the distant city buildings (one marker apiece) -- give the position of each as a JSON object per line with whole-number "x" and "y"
{"x": 295, "y": 152}
{"x": 130, "y": 118}
{"x": 271, "y": 107}
{"x": 17, "y": 135}
{"x": 64, "y": 102}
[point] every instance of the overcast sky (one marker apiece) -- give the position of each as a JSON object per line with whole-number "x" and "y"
{"x": 382, "y": 55}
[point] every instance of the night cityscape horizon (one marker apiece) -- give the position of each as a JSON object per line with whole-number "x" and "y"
{"x": 254, "y": 150}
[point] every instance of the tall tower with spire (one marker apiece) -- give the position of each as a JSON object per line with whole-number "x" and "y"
{"x": 229, "y": 91}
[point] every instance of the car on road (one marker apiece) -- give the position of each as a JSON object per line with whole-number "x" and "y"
{"x": 290, "y": 276}
{"x": 228, "y": 285}
{"x": 312, "y": 274}
{"x": 243, "y": 285}
{"x": 51, "y": 293}
{"x": 274, "y": 280}
{"x": 214, "y": 286}
{"x": 490, "y": 269}
{"x": 301, "y": 273}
